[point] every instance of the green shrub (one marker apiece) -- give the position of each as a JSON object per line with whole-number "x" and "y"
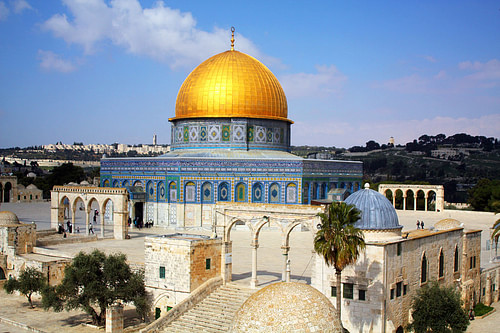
{"x": 480, "y": 309}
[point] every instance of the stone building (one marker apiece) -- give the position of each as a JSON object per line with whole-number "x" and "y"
{"x": 177, "y": 264}
{"x": 17, "y": 245}
{"x": 30, "y": 193}
{"x": 231, "y": 140}
{"x": 378, "y": 289}
{"x": 8, "y": 188}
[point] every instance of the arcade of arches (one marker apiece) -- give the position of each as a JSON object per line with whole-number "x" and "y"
{"x": 112, "y": 202}
{"x": 255, "y": 217}
{"x": 414, "y": 197}
{"x": 8, "y": 188}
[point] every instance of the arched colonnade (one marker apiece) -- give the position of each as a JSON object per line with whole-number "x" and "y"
{"x": 414, "y": 197}
{"x": 255, "y": 217}
{"x": 8, "y": 189}
{"x": 73, "y": 197}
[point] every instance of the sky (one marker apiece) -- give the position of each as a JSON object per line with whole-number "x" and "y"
{"x": 97, "y": 71}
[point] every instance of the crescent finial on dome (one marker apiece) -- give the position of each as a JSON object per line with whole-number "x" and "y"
{"x": 232, "y": 38}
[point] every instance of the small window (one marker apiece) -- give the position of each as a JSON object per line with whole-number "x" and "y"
{"x": 405, "y": 289}
{"x": 362, "y": 295}
{"x": 493, "y": 287}
{"x": 392, "y": 293}
{"x": 455, "y": 266}
{"x": 474, "y": 265}
{"x": 470, "y": 263}
{"x": 441, "y": 264}
{"x": 423, "y": 273}
{"x": 399, "y": 287}
{"x": 162, "y": 272}
{"x": 348, "y": 290}
{"x": 207, "y": 263}
{"x": 334, "y": 291}
{"x": 399, "y": 249}
{"x": 484, "y": 291}
{"x": 18, "y": 197}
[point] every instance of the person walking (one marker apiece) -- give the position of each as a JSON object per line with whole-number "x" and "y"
{"x": 70, "y": 227}
{"x": 91, "y": 228}
{"x": 422, "y": 224}
{"x": 418, "y": 224}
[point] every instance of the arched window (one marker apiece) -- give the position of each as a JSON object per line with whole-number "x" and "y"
{"x": 106, "y": 183}
{"x": 190, "y": 192}
{"x": 274, "y": 193}
{"x": 116, "y": 183}
{"x": 423, "y": 273}
{"x": 161, "y": 192}
{"x": 206, "y": 192}
{"x": 240, "y": 194}
{"x": 125, "y": 183}
{"x": 223, "y": 192}
{"x": 172, "y": 192}
{"x": 455, "y": 264}
{"x": 291, "y": 193}
{"x": 150, "y": 191}
{"x": 257, "y": 193}
{"x": 441, "y": 264}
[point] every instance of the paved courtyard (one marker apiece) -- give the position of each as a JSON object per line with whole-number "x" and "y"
{"x": 270, "y": 260}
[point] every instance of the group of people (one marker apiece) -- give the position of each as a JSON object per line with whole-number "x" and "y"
{"x": 62, "y": 230}
{"x": 139, "y": 224}
{"x": 420, "y": 224}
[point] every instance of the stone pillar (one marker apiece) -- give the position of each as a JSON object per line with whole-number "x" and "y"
{"x": 404, "y": 202}
{"x": 87, "y": 215}
{"x": 287, "y": 278}
{"x": 227, "y": 262}
{"x": 496, "y": 294}
{"x": 394, "y": 200}
{"x": 114, "y": 318}
{"x": 488, "y": 298}
{"x": 255, "y": 246}
{"x": 101, "y": 217}
{"x": 284, "y": 250}
{"x": 425, "y": 202}
{"x": 415, "y": 202}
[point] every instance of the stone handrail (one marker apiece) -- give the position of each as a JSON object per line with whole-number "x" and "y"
{"x": 89, "y": 189}
{"x": 194, "y": 298}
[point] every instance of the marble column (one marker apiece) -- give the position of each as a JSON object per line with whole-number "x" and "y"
{"x": 254, "y": 281}
{"x": 284, "y": 251}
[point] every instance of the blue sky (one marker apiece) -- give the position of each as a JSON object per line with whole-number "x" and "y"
{"x": 98, "y": 71}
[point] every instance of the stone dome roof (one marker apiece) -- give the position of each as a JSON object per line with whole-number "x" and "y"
{"x": 448, "y": 223}
{"x": 32, "y": 187}
{"x": 231, "y": 84}
{"x": 287, "y": 307}
{"x": 8, "y": 219}
{"x": 377, "y": 212}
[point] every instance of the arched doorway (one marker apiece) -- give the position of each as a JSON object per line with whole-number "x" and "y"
{"x": 7, "y": 191}
{"x": 420, "y": 199}
{"x": 398, "y": 200}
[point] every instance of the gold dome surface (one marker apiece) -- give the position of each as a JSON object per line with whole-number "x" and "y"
{"x": 231, "y": 84}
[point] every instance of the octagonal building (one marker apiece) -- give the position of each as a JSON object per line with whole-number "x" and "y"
{"x": 230, "y": 142}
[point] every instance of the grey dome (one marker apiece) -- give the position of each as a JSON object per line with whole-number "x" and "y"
{"x": 377, "y": 212}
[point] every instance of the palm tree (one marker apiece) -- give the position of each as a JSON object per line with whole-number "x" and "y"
{"x": 496, "y": 233}
{"x": 338, "y": 241}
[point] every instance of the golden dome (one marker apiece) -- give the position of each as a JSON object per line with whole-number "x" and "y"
{"x": 231, "y": 84}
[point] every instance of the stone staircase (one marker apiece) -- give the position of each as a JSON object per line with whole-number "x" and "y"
{"x": 215, "y": 313}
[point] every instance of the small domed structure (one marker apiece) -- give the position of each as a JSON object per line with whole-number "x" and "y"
{"x": 446, "y": 224}
{"x": 287, "y": 307}
{"x": 8, "y": 219}
{"x": 32, "y": 187}
{"x": 377, "y": 213}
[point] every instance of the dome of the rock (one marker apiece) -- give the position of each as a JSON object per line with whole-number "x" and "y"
{"x": 229, "y": 85}
{"x": 287, "y": 307}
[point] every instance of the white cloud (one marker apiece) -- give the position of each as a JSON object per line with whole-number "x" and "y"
{"x": 20, "y": 6}
{"x": 52, "y": 62}
{"x": 326, "y": 82}
{"x": 408, "y": 84}
{"x": 440, "y": 75}
{"x": 159, "y": 32}
{"x": 348, "y": 134}
{"x": 4, "y": 11}
{"x": 482, "y": 71}
{"x": 429, "y": 58}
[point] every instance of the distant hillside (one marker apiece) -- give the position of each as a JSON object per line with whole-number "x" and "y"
{"x": 458, "y": 162}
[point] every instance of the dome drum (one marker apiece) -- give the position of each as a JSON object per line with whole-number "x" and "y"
{"x": 238, "y": 133}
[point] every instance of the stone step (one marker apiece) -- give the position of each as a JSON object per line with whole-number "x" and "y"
{"x": 215, "y": 313}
